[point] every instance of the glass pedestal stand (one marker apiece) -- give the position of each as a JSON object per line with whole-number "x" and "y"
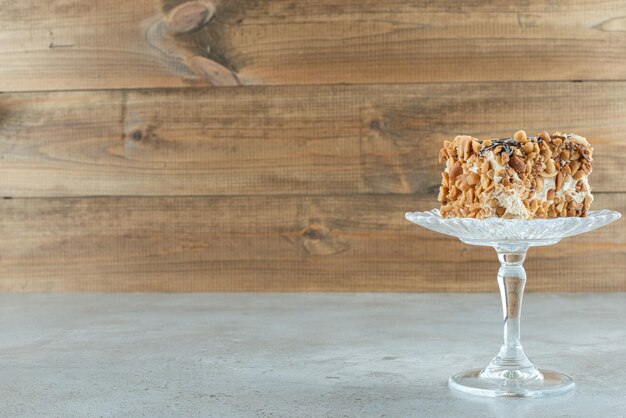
{"x": 511, "y": 373}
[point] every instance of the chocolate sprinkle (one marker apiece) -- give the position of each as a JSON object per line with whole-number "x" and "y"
{"x": 507, "y": 144}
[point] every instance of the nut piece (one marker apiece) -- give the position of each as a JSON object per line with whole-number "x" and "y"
{"x": 464, "y": 147}
{"x": 534, "y": 205}
{"x": 467, "y": 148}
{"x": 455, "y": 171}
{"x": 443, "y": 192}
{"x": 469, "y": 196}
{"x": 539, "y": 186}
{"x": 473, "y": 179}
{"x": 528, "y": 147}
{"x": 579, "y": 175}
{"x": 567, "y": 169}
{"x": 558, "y": 181}
{"x": 520, "y": 136}
{"x": 545, "y": 136}
{"x": 443, "y": 155}
{"x": 580, "y": 140}
{"x": 517, "y": 164}
{"x": 445, "y": 179}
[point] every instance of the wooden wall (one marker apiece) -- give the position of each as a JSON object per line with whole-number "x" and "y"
{"x": 274, "y": 145}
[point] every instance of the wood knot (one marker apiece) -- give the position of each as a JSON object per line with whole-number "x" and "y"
{"x": 189, "y": 16}
{"x": 313, "y": 233}
{"x": 213, "y": 72}
{"x": 137, "y": 135}
{"x": 376, "y": 125}
{"x": 317, "y": 240}
{"x": 616, "y": 24}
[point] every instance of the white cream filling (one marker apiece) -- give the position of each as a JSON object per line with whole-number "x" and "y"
{"x": 548, "y": 183}
{"x": 510, "y": 200}
{"x": 496, "y": 167}
{"x": 569, "y": 189}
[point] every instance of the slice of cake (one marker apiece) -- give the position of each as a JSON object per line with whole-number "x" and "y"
{"x": 521, "y": 177}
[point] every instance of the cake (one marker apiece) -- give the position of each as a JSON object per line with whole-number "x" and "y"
{"x": 522, "y": 177}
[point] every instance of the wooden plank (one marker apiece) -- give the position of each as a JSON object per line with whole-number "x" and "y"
{"x": 279, "y": 243}
{"x": 284, "y": 140}
{"x": 168, "y": 43}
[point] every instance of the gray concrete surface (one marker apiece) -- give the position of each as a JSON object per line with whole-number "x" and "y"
{"x": 297, "y": 355}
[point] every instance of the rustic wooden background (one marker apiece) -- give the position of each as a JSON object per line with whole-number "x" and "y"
{"x": 163, "y": 145}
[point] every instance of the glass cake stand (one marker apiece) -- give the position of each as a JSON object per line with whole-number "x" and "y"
{"x": 511, "y": 373}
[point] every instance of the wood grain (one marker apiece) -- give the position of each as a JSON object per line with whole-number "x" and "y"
{"x": 284, "y": 140}
{"x": 263, "y": 243}
{"x": 69, "y": 44}
{"x": 149, "y": 179}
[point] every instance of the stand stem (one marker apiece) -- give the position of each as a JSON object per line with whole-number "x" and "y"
{"x": 511, "y": 362}
{"x": 511, "y": 279}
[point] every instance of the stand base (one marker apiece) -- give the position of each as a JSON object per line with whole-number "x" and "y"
{"x": 547, "y": 384}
